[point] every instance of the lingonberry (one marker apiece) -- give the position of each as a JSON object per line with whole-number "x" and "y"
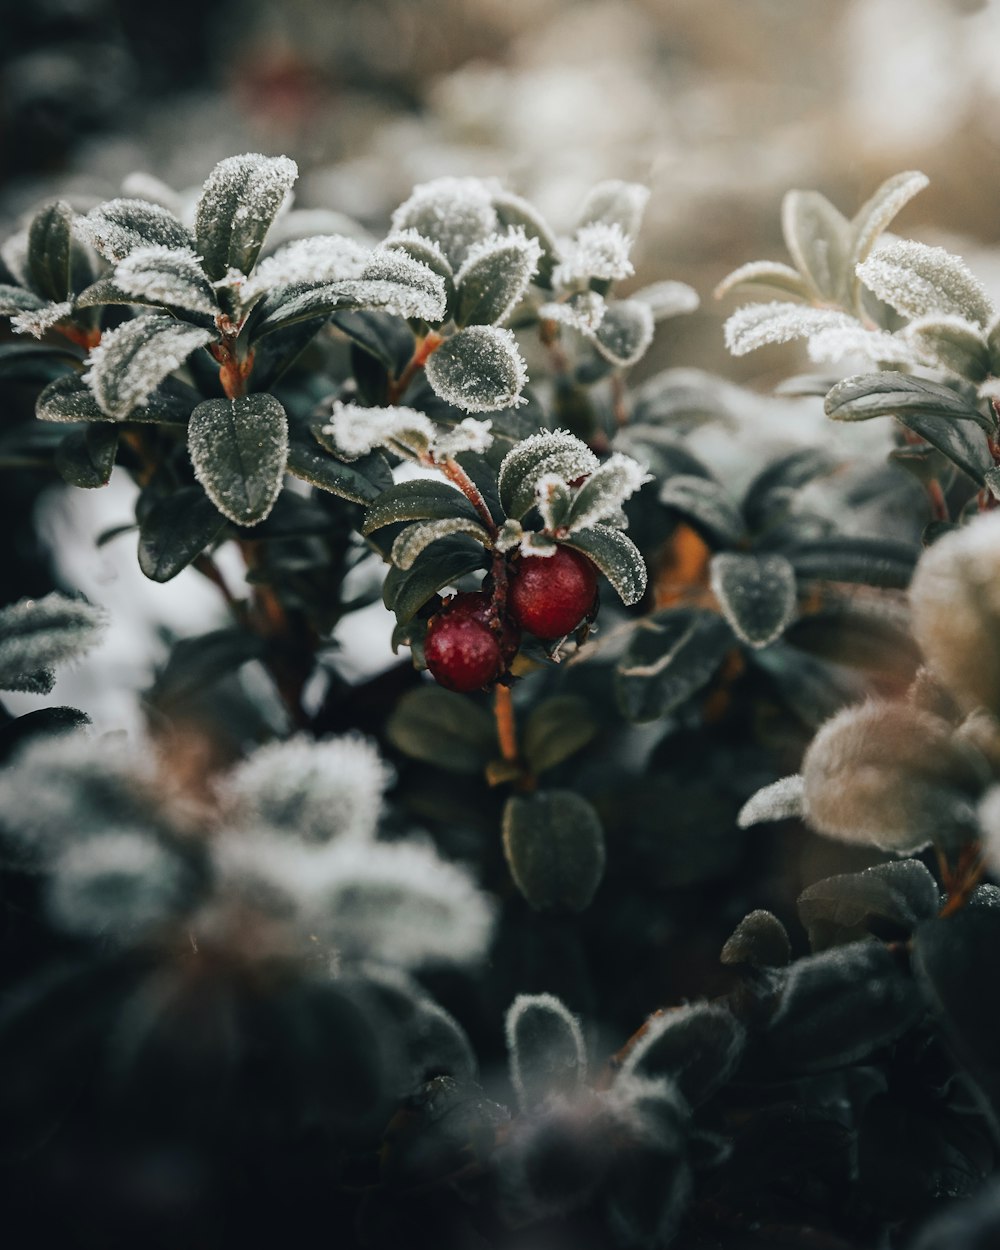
{"x": 462, "y": 648}
{"x": 550, "y": 595}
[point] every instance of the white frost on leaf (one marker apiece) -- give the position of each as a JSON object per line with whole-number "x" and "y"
{"x": 415, "y": 539}
{"x": 171, "y": 276}
{"x": 878, "y": 346}
{"x": 119, "y": 226}
{"x": 38, "y": 321}
{"x": 454, "y": 212}
{"x": 757, "y": 325}
{"x": 132, "y": 360}
{"x": 625, "y": 332}
{"x": 479, "y": 370}
{"x": 875, "y": 216}
{"x": 583, "y": 311}
{"x": 554, "y": 452}
{"x": 667, "y": 299}
{"x": 469, "y": 435}
{"x": 597, "y": 250}
{"x": 552, "y": 498}
{"x": 616, "y": 203}
{"x": 422, "y": 291}
{"x": 499, "y": 269}
{"x": 312, "y": 261}
{"x": 603, "y": 493}
{"x": 779, "y": 801}
{"x": 316, "y": 791}
{"x": 918, "y": 280}
{"x": 39, "y": 633}
{"x": 142, "y": 186}
{"x": 357, "y": 430}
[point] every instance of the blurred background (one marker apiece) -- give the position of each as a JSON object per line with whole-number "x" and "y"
{"x": 719, "y": 106}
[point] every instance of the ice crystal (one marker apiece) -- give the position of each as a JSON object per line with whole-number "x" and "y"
{"x": 597, "y": 250}
{"x": 454, "y": 212}
{"x": 469, "y": 435}
{"x": 545, "y": 1047}
{"x": 241, "y": 197}
{"x": 413, "y": 540}
{"x": 357, "y": 430}
{"x": 133, "y": 359}
{"x": 38, "y": 321}
{"x": 312, "y": 261}
{"x": 422, "y": 291}
{"x": 583, "y": 311}
{"x": 170, "y": 276}
{"x": 495, "y": 276}
{"x": 604, "y": 492}
{"x": 918, "y": 280}
{"x": 239, "y": 449}
{"x": 39, "y": 633}
{"x": 625, "y": 332}
{"x": 779, "y": 801}
{"x": 118, "y": 227}
{"x": 878, "y": 213}
{"x": 553, "y": 498}
{"x": 317, "y": 791}
{"x": 547, "y": 452}
{"x": 757, "y": 325}
{"x": 479, "y": 370}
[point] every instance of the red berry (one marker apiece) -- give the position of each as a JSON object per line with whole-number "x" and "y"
{"x": 550, "y": 595}
{"x": 462, "y": 650}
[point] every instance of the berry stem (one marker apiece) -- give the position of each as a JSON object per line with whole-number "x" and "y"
{"x": 427, "y": 347}
{"x": 454, "y": 472}
{"x": 503, "y": 710}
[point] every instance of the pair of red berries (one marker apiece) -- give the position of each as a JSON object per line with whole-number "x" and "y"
{"x": 466, "y": 647}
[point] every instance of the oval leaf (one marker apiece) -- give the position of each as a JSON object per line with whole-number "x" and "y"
{"x": 421, "y": 500}
{"x": 554, "y": 845}
{"x": 618, "y": 558}
{"x": 478, "y": 370}
{"x": 756, "y": 593}
{"x": 175, "y": 530}
{"x": 239, "y": 448}
{"x": 133, "y": 360}
{"x": 240, "y": 199}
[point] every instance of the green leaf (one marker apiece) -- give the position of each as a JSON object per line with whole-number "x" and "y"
{"x": 176, "y": 529}
{"x": 547, "y": 453}
{"x": 36, "y": 363}
{"x": 556, "y": 729}
{"x": 291, "y": 306}
{"x": 494, "y": 278}
{"x": 757, "y": 594}
{"x": 69, "y": 398}
{"x": 848, "y": 907}
{"x": 422, "y": 500}
{"x": 444, "y": 729}
{"x": 771, "y": 492}
{"x": 892, "y": 394}
{"x": 442, "y": 564}
{"x": 118, "y": 227}
{"x": 133, "y": 360}
{"x": 952, "y": 343}
{"x": 545, "y": 1049}
{"x": 360, "y": 481}
{"x": 704, "y": 503}
{"x": 965, "y": 447}
{"x": 386, "y": 338}
{"x": 670, "y": 657}
{"x": 877, "y": 214}
{"x": 239, "y": 449}
{"x": 50, "y": 250}
{"x": 625, "y": 332}
{"x": 818, "y": 237}
{"x": 86, "y": 457}
{"x": 415, "y": 539}
{"x": 698, "y": 1047}
{"x": 515, "y": 212}
{"x": 478, "y": 370}
{"x": 18, "y": 299}
{"x": 617, "y": 556}
{"x": 760, "y": 940}
{"x": 239, "y": 201}
{"x": 554, "y": 846}
{"x": 36, "y": 634}
{"x": 921, "y": 281}
{"x": 842, "y": 558}
{"x": 171, "y": 277}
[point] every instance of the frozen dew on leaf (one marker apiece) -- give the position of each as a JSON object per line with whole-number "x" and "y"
{"x": 170, "y": 276}
{"x": 118, "y": 227}
{"x": 36, "y": 634}
{"x": 469, "y": 435}
{"x": 608, "y": 487}
{"x": 411, "y": 289}
{"x": 616, "y": 203}
{"x": 132, "y": 360}
{"x": 495, "y": 276}
{"x": 317, "y": 791}
{"x": 357, "y": 430}
{"x": 918, "y": 280}
{"x": 625, "y": 332}
{"x": 38, "y": 321}
{"x": 545, "y": 1048}
{"x": 239, "y": 450}
{"x": 757, "y": 325}
{"x": 479, "y": 370}
{"x": 453, "y": 212}
{"x": 782, "y": 800}
{"x": 598, "y": 251}
{"x": 554, "y": 452}
{"x": 239, "y": 201}
{"x": 311, "y": 261}
{"x": 583, "y": 311}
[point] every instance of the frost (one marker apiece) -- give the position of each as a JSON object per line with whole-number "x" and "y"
{"x": 117, "y": 883}
{"x": 757, "y": 325}
{"x": 170, "y": 276}
{"x": 878, "y": 346}
{"x": 553, "y": 498}
{"x": 37, "y": 322}
{"x": 616, "y": 203}
{"x": 357, "y": 430}
{"x": 454, "y": 212}
{"x": 597, "y": 250}
{"x": 555, "y": 452}
{"x": 583, "y": 311}
{"x": 317, "y": 791}
{"x": 950, "y": 343}
{"x": 15, "y": 299}
{"x": 779, "y": 801}
{"x": 885, "y": 204}
{"x": 469, "y": 435}
{"x": 241, "y": 197}
{"x": 545, "y": 1047}
{"x": 604, "y": 492}
{"x": 239, "y": 450}
{"x": 495, "y": 275}
{"x": 312, "y": 261}
{"x": 118, "y": 227}
{"x": 625, "y": 332}
{"x": 479, "y": 369}
{"x": 35, "y": 634}
{"x": 771, "y": 273}
{"x": 419, "y": 247}
{"x": 422, "y": 290}
{"x": 415, "y": 539}
{"x": 918, "y": 280}
{"x": 269, "y": 871}
{"x": 132, "y": 360}
{"x": 400, "y": 903}
{"x": 667, "y": 299}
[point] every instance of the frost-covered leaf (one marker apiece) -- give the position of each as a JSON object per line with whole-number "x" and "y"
{"x": 583, "y": 311}
{"x": 133, "y": 360}
{"x": 86, "y": 457}
{"x": 759, "y": 940}
{"x": 697, "y": 1046}
{"x": 314, "y": 790}
{"x": 616, "y": 203}
{"x": 360, "y": 481}
{"x": 69, "y": 398}
{"x": 120, "y": 226}
{"x": 554, "y": 846}
{"x": 312, "y": 261}
{"x": 552, "y": 499}
{"x": 37, "y": 322}
{"x": 442, "y": 564}
{"x": 877, "y": 214}
{"x": 667, "y": 299}
{"x": 239, "y": 448}
{"x": 845, "y": 908}
{"x": 670, "y": 657}
{"x": 421, "y": 500}
{"x": 625, "y": 332}
{"x": 756, "y": 593}
{"x": 494, "y": 278}
{"x": 782, "y": 800}
{"x": 176, "y": 529}
{"x": 241, "y": 197}
{"x": 604, "y": 491}
{"x": 918, "y": 281}
{"x": 36, "y": 634}
{"x": 617, "y": 557}
{"x": 479, "y": 370}
{"x": 356, "y": 430}
{"x": 412, "y": 542}
{"x": 549, "y": 452}
{"x": 771, "y": 274}
{"x": 469, "y": 435}
{"x": 516, "y": 213}
{"x": 50, "y": 251}
{"x": 425, "y": 251}
{"x": 401, "y": 904}
{"x": 598, "y": 250}
{"x": 453, "y": 212}
{"x": 951, "y": 343}
{"x": 818, "y": 237}
{"x": 169, "y": 276}
{"x": 18, "y": 299}
{"x": 963, "y": 444}
{"x": 891, "y": 393}
{"x": 704, "y": 502}
{"x": 545, "y": 1049}
{"x": 425, "y": 294}
{"x": 757, "y": 325}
